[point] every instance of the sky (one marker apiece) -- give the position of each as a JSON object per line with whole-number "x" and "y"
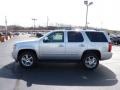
{"x": 102, "y": 13}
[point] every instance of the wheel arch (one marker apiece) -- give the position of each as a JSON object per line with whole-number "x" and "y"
{"x": 26, "y": 50}
{"x": 97, "y": 52}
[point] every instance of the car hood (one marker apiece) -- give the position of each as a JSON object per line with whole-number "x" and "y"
{"x": 24, "y": 42}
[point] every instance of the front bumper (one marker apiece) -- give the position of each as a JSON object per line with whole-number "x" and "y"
{"x": 14, "y": 55}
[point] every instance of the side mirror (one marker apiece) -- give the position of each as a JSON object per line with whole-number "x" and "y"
{"x": 45, "y": 39}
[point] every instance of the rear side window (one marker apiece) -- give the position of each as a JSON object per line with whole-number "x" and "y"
{"x": 96, "y": 37}
{"x": 75, "y": 36}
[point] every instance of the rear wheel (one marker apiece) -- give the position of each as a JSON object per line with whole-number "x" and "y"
{"x": 27, "y": 59}
{"x": 90, "y": 61}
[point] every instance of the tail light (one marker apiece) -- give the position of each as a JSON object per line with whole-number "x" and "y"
{"x": 110, "y": 47}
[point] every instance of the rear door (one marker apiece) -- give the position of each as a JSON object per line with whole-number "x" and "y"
{"x": 74, "y": 45}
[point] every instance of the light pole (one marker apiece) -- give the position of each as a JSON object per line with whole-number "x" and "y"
{"x": 34, "y": 23}
{"x": 87, "y": 5}
{"x": 47, "y": 21}
{"x": 6, "y": 26}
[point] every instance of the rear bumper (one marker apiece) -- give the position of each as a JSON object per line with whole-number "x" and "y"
{"x": 106, "y": 55}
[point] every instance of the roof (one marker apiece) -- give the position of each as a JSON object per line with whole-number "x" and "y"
{"x": 77, "y": 30}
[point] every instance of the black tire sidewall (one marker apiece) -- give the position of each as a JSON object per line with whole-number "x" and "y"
{"x": 87, "y": 55}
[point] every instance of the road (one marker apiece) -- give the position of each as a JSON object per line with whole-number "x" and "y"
{"x": 52, "y": 76}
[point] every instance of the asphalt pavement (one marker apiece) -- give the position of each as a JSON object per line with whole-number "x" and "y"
{"x": 57, "y": 76}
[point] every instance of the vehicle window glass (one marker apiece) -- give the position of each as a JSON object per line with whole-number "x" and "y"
{"x": 75, "y": 36}
{"x": 96, "y": 37}
{"x": 56, "y": 37}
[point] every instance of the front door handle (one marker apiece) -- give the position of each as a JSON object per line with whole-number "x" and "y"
{"x": 61, "y": 45}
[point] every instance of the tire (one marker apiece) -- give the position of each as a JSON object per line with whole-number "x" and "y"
{"x": 90, "y": 61}
{"x": 27, "y": 59}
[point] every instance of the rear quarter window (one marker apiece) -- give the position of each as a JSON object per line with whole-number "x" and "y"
{"x": 96, "y": 37}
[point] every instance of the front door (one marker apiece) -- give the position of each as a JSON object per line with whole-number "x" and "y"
{"x": 53, "y": 47}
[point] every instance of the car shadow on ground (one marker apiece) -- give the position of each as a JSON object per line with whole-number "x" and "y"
{"x": 60, "y": 74}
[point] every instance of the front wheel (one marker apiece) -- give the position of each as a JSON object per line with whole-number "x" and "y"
{"x": 90, "y": 61}
{"x": 27, "y": 59}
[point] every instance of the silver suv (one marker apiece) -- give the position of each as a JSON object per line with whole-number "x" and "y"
{"x": 86, "y": 46}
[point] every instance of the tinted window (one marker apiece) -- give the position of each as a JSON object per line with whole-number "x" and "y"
{"x": 96, "y": 37}
{"x": 75, "y": 37}
{"x": 56, "y": 37}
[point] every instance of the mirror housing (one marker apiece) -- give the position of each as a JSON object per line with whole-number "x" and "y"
{"x": 45, "y": 39}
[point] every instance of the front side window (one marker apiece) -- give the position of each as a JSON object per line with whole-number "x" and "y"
{"x": 75, "y": 36}
{"x": 56, "y": 37}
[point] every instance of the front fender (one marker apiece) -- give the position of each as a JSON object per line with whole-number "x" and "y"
{"x": 29, "y": 47}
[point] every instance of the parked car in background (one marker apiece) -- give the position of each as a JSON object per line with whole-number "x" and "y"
{"x": 38, "y": 34}
{"x": 118, "y": 39}
{"x": 4, "y": 33}
{"x": 16, "y": 33}
{"x": 115, "y": 40}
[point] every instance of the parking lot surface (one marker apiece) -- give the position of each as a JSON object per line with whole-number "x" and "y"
{"x": 57, "y": 76}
